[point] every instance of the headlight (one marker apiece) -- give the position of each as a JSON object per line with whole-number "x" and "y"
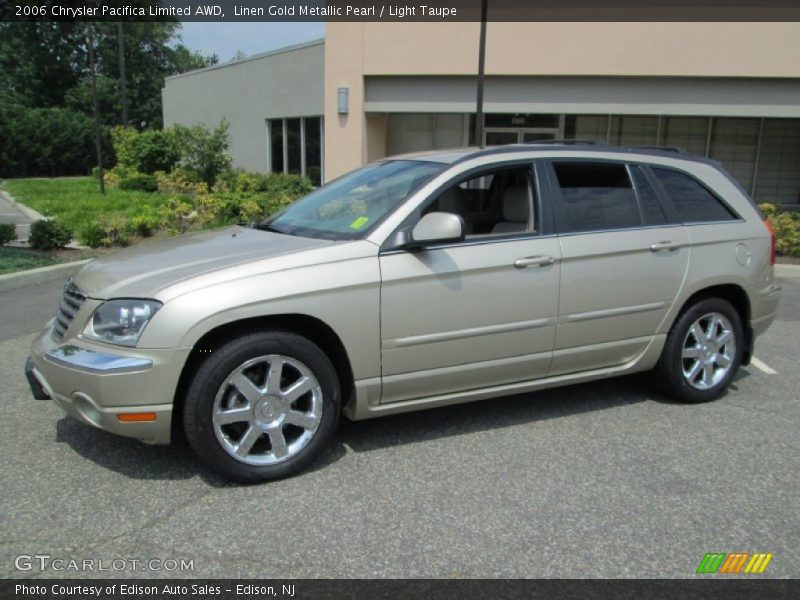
{"x": 121, "y": 321}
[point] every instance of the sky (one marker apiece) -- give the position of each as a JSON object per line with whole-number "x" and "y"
{"x": 224, "y": 39}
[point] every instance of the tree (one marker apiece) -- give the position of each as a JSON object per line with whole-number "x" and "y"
{"x": 45, "y": 65}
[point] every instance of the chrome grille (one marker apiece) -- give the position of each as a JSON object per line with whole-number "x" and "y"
{"x": 71, "y": 301}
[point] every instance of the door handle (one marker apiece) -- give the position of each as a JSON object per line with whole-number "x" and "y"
{"x": 534, "y": 261}
{"x": 661, "y": 246}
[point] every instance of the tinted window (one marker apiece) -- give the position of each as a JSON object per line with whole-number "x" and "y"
{"x": 652, "y": 211}
{"x": 596, "y": 196}
{"x": 694, "y": 203}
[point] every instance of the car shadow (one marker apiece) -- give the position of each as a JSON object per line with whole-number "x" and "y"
{"x": 496, "y": 413}
{"x": 136, "y": 460}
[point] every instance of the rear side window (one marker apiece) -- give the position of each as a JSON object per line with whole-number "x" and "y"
{"x": 652, "y": 211}
{"x": 596, "y": 196}
{"x": 694, "y": 203}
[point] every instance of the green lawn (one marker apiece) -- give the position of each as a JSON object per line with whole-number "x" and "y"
{"x": 13, "y": 259}
{"x": 76, "y": 201}
{"x": 21, "y": 259}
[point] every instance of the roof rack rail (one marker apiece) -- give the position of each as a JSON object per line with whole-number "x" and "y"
{"x": 674, "y": 149}
{"x": 566, "y": 142}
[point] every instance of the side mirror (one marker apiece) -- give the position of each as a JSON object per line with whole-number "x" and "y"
{"x": 437, "y": 227}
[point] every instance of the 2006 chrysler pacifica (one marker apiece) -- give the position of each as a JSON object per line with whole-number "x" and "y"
{"x": 413, "y": 282}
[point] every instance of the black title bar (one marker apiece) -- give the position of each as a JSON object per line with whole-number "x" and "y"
{"x": 710, "y": 587}
{"x": 366, "y": 10}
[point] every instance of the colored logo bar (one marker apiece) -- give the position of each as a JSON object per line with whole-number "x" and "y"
{"x": 734, "y": 563}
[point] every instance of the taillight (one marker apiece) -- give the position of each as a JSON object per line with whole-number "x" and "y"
{"x": 771, "y": 241}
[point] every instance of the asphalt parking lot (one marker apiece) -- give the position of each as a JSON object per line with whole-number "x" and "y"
{"x": 600, "y": 480}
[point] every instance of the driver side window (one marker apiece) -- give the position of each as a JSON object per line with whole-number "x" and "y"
{"x": 494, "y": 202}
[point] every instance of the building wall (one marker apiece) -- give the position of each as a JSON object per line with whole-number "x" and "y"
{"x": 738, "y": 66}
{"x": 286, "y": 83}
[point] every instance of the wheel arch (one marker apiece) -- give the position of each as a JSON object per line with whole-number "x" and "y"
{"x": 738, "y": 298}
{"x": 312, "y": 328}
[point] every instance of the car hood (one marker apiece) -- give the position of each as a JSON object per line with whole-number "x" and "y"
{"x": 145, "y": 269}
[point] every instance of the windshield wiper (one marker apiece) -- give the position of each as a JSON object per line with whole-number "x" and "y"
{"x": 270, "y": 227}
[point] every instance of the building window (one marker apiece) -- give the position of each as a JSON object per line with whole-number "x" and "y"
{"x": 313, "y": 145}
{"x": 734, "y": 143}
{"x": 296, "y": 147}
{"x": 778, "y": 178}
{"x": 586, "y": 127}
{"x": 413, "y": 132}
{"x": 686, "y": 133}
{"x": 276, "y": 145}
{"x": 634, "y": 131}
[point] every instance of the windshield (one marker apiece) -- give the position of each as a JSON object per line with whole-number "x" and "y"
{"x": 348, "y": 207}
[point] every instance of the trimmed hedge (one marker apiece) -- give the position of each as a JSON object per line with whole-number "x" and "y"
{"x": 49, "y": 235}
{"x": 47, "y": 142}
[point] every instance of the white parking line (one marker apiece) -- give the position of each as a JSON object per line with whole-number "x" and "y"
{"x": 763, "y": 367}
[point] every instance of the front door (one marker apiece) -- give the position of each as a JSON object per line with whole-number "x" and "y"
{"x": 477, "y": 313}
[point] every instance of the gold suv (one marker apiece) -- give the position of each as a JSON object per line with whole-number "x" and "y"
{"x": 414, "y": 282}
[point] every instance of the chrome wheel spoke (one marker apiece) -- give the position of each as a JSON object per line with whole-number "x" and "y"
{"x": 234, "y": 415}
{"x": 248, "y": 440}
{"x": 274, "y": 376}
{"x": 708, "y": 375}
{"x": 278, "y": 441}
{"x": 693, "y": 352}
{"x": 692, "y": 373}
{"x": 245, "y": 387}
{"x": 723, "y": 360}
{"x": 299, "y": 388}
{"x": 301, "y": 419}
{"x": 698, "y": 333}
{"x": 724, "y": 338}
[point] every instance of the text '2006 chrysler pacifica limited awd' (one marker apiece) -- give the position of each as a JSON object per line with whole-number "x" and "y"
{"x": 417, "y": 281}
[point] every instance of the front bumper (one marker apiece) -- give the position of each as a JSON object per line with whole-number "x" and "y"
{"x": 126, "y": 391}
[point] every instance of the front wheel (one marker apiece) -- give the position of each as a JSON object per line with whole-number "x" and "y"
{"x": 262, "y": 406}
{"x": 702, "y": 352}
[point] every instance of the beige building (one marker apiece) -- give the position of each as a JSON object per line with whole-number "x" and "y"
{"x": 730, "y": 91}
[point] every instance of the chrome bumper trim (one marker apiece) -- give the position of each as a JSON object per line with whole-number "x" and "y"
{"x": 96, "y": 362}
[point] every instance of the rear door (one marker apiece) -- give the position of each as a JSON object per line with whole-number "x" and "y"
{"x": 623, "y": 262}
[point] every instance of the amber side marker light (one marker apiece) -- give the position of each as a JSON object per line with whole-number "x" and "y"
{"x": 772, "y": 242}
{"x": 136, "y": 417}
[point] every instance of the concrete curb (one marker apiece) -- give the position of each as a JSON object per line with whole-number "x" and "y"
{"x": 11, "y": 281}
{"x": 790, "y": 271}
{"x": 29, "y": 212}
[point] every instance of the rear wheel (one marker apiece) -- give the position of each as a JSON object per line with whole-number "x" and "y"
{"x": 263, "y": 406}
{"x": 702, "y": 352}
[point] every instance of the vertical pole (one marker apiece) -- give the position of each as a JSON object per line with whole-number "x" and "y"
{"x": 123, "y": 86}
{"x": 481, "y": 69}
{"x": 95, "y": 111}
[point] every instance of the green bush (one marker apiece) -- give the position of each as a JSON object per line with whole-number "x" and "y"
{"x": 8, "y": 233}
{"x": 91, "y": 235}
{"x": 274, "y": 184}
{"x": 202, "y": 151}
{"x": 139, "y": 181}
{"x": 48, "y": 142}
{"x": 146, "y": 151}
{"x": 786, "y": 226}
{"x": 49, "y": 235}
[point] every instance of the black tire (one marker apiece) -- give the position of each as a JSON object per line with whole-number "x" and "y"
{"x": 201, "y": 395}
{"x": 670, "y": 368}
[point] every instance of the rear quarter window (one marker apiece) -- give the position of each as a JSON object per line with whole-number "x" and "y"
{"x": 693, "y": 202}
